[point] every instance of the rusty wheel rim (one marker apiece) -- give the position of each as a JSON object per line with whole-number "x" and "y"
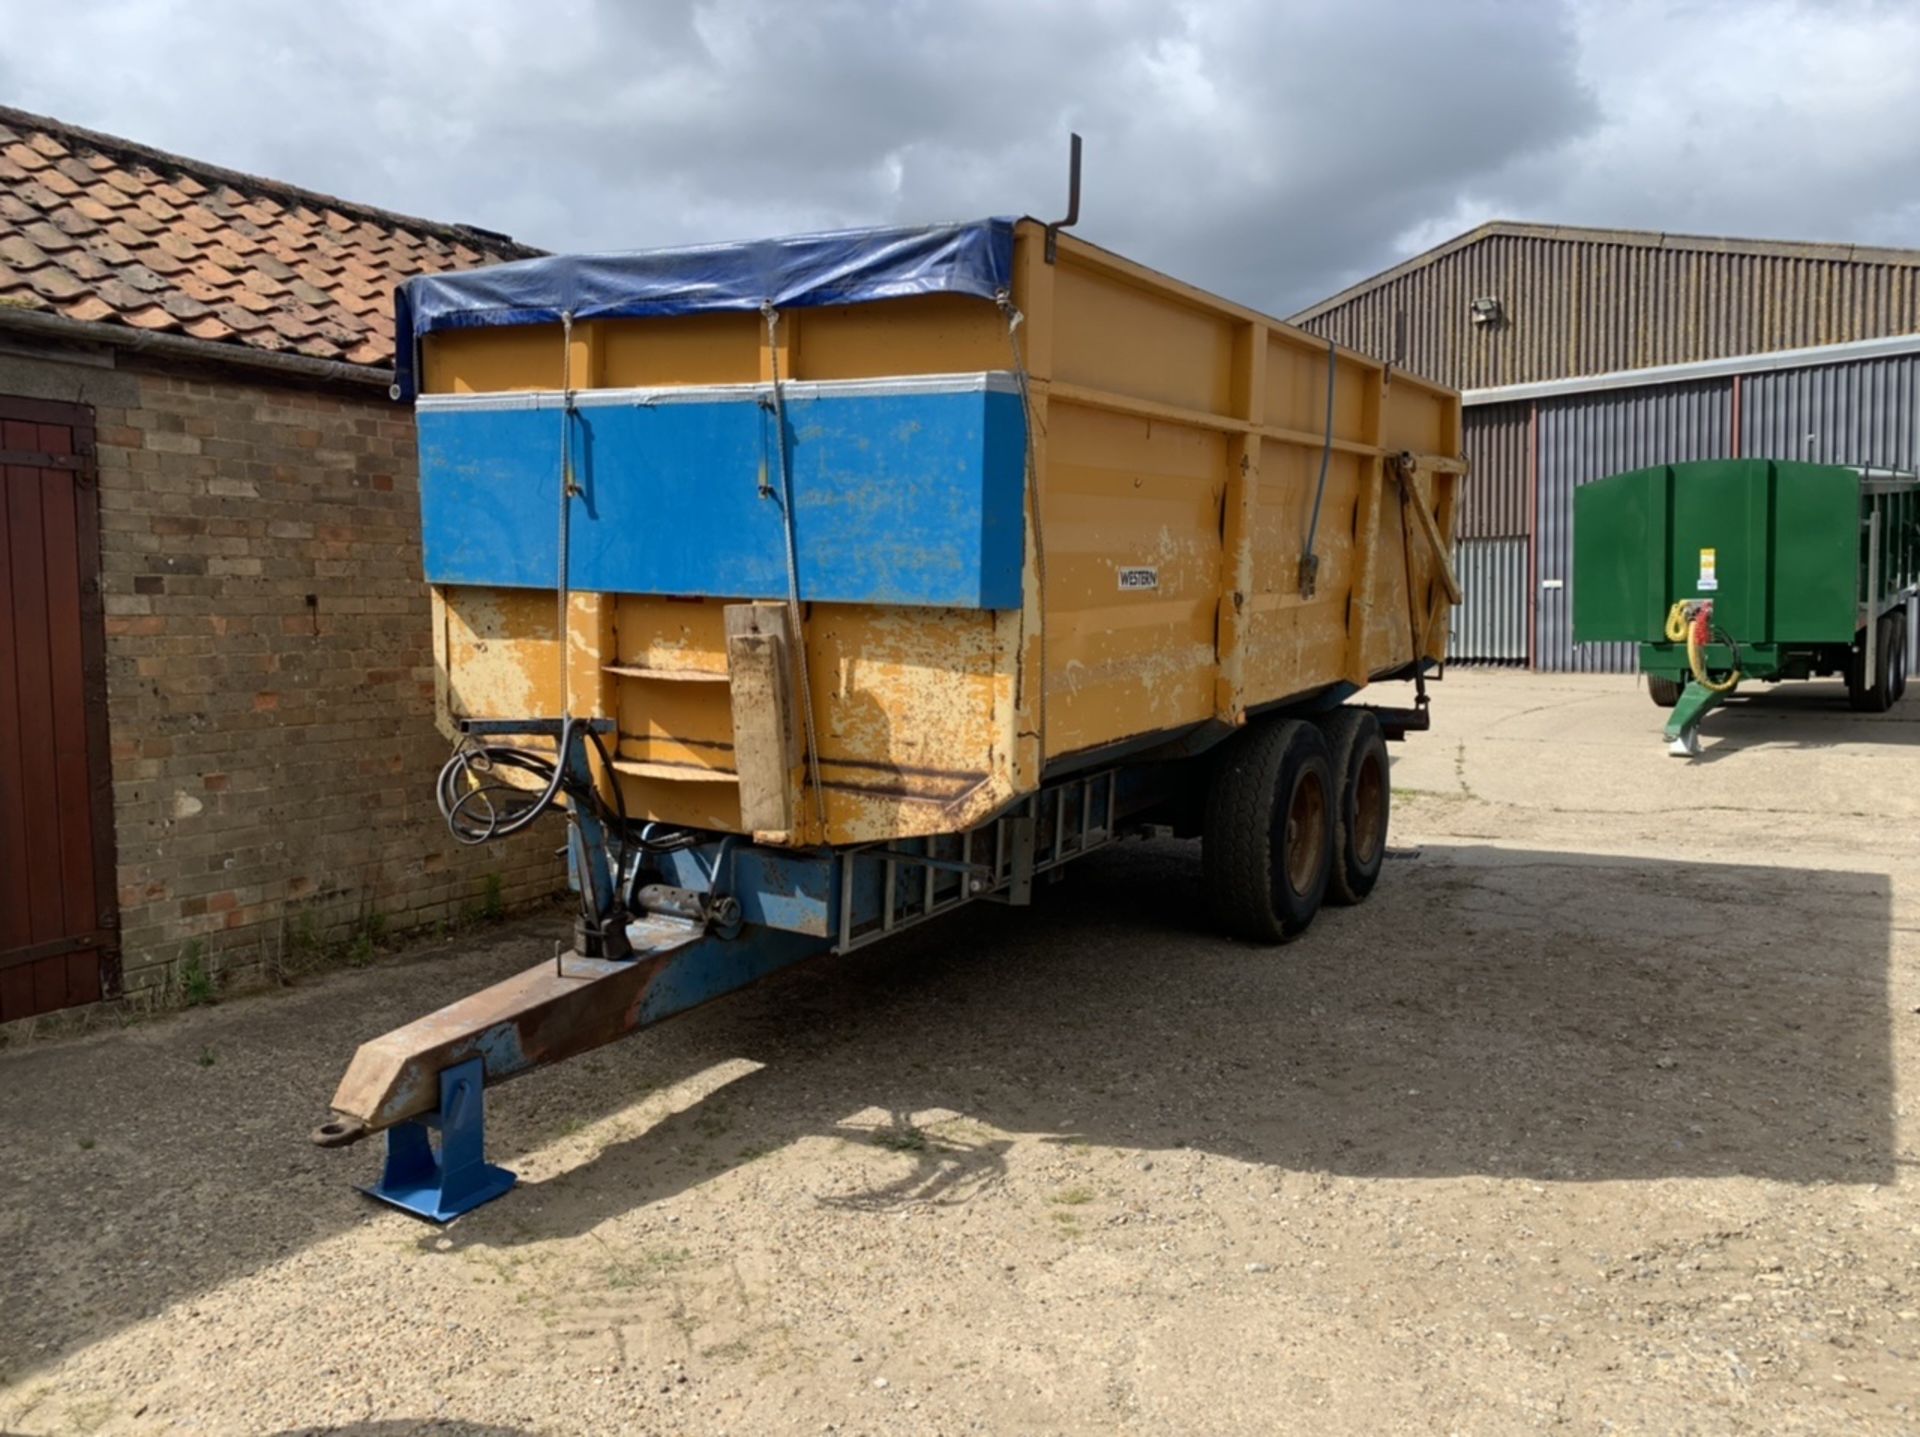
{"x": 1369, "y": 810}
{"x": 1306, "y": 853}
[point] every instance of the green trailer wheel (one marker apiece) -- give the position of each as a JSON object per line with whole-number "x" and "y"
{"x": 1898, "y": 650}
{"x": 1875, "y": 693}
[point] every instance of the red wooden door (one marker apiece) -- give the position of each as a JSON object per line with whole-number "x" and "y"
{"x": 58, "y": 916}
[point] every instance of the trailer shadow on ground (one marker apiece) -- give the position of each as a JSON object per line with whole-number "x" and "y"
{"x": 1556, "y": 1016}
{"x": 1811, "y": 715}
{"x": 1545, "y": 1015}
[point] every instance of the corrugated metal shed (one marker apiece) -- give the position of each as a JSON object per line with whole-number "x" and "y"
{"x": 1578, "y": 301}
{"x": 1862, "y": 413}
{"x": 1588, "y": 437}
{"x": 1490, "y": 625}
{"x": 1865, "y": 412}
{"x": 1497, "y": 439}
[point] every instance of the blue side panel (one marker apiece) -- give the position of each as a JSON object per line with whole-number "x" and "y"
{"x": 912, "y": 497}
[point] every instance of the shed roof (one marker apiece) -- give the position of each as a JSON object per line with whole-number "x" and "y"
{"x": 1636, "y": 239}
{"x": 104, "y": 231}
{"x": 1508, "y": 304}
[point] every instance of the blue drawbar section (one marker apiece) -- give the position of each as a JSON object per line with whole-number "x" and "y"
{"x": 907, "y": 491}
{"x": 841, "y": 267}
{"x": 706, "y": 970}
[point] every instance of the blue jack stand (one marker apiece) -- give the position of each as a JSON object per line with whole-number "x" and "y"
{"x": 457, "y": 1179}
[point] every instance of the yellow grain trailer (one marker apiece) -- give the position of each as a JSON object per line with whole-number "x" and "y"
{"x": 897, "y": 567}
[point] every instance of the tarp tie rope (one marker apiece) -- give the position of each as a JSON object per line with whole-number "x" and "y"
{"x": 1014, "y": 320}
{"x": 1309, "y": 561}
{"x": 1416, "y": 632}
{"x": 793, "y": 563}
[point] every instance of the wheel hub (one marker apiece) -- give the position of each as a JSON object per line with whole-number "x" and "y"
{"x": 1306, "y": 832}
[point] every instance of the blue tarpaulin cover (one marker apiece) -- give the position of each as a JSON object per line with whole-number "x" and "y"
{"x": 841, "y": 267}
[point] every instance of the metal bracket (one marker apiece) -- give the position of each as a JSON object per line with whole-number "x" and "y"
{"x": 1020, "y": 862}
{"x": 1397, "y": 723}
{"x": 458, "y": 1178}
{"x": 536, "y": 727}
{"x": 1073, "y": 201}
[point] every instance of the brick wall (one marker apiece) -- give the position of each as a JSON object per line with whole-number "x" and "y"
{"x": 270, "y": 677}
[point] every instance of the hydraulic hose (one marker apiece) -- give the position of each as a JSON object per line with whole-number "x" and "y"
{"x": 1693, "y": 621}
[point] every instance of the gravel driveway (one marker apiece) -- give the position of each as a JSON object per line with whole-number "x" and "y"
{"x": 1598, "y": 1116}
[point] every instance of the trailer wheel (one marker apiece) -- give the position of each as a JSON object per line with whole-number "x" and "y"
{"x": 1875, "y": 696}
{"x": 1898, "y": 649}
{"x": 1664, "y": 692}
{"x": 1268, "y": 848}
{"x": 1365, "y": 802}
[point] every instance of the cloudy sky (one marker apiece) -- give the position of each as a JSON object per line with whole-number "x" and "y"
{"x": 1274, "y": 150}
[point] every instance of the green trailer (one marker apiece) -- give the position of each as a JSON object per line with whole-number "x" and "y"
{"x": 1749, "y": 569}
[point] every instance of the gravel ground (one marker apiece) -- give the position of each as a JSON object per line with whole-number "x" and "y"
{"x": 1598, "y": 1116}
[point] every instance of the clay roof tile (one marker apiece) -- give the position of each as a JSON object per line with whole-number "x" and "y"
{"x": 20, "y": 252}
{"x": 106, "y": 231}
{"x": 89, "y": 310}
{"x": 54, "y": 282}
{"x": 85, "y": 264}
{"x": 150, "y": 317}
{"x": 49, "y": 236}
{"x": 209, "y": 327}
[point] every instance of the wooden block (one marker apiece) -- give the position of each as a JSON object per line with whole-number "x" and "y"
{"x": 766, "y": 738}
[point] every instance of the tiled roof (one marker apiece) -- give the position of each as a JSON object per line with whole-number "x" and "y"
{"x": 102, "y": 230}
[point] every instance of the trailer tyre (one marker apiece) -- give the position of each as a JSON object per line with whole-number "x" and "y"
{"x": 1898, "y": 648}
{"x": 1664, "y": 692}
{"x": 1365, "y": 802}
{"x": 1875, "y": 693}
{"x": 1268, "y": 848}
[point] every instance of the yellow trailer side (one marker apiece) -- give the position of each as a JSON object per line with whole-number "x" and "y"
{"x": 1173, "y": 437}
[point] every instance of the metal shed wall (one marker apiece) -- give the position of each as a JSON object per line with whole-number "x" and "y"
{"x": 1490, "y": 624}
{"x": 1579, "y": 302}
{"x": 1588, "y": 437}
{"x": 1862, "y": 413}
{"x": 1494, "y": 500}
{"x": 1866, "y": 412}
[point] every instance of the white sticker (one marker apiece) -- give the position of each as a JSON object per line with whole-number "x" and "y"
{"x": 1144, "y": 576}
{"x": 1709, "y": 580}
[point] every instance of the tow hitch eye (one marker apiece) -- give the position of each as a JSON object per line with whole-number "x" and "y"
{"x": 339, "y": 1133}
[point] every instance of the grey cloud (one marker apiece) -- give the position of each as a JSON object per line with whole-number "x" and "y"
{"x": 1272, "y": 151}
